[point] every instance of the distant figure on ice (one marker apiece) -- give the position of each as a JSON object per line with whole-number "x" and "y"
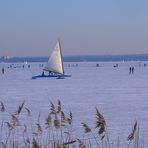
{"x": 97, "y": 65}
{"x": 3, "y": 70}
{"x": 133, "y": 70}
{"x": 130, "y": 70}
{"x": 144, "y": 65}
{"x": 116, "y": 65}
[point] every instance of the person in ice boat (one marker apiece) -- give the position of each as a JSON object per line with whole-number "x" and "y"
{"x": 43, "y": 73}
{"x": 52, "y": 73}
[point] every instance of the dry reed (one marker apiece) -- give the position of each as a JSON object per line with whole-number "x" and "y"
{"x": 57, "y": 131}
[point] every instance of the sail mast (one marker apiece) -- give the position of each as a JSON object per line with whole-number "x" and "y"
{"x": 61, "y": 56}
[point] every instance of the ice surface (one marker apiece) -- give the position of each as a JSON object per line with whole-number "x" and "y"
{"x": 121, "y": 98}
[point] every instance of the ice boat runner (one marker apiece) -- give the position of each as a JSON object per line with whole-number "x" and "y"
{"x": 55, "y": 65}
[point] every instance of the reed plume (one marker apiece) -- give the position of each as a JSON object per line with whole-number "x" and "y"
{"x": 59, "y": 106}
{"x": 4, "y": 145}
{"x": 20, "y": 108}
{"x": 52, "y": 108}
{"x": 35, "y": 144}
{"x": 100, "y": 124}
{"x": 25, "y": 128}
{"x": 39, "y": 128}
{"x": 14, "y": 120}
{"x": 2, "y": 107}
{"x": 10, "y": 126}
{"x": 81, "y": 143}
{"x": 132, "y": 134}
{"x": 48, "y": 121}
{"x": 56, "y": 122}
{"x": 69, "y": 119}
{"x": 87, "y": 129}
{"x": 28, "y": 111}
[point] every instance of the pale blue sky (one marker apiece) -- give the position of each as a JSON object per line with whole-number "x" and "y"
{"x": 31, "y": 27}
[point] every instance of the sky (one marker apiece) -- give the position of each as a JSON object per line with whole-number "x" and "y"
{"x": 85, "y": 27}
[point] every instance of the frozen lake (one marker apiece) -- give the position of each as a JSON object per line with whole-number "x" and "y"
{"x": 121, "y": 98}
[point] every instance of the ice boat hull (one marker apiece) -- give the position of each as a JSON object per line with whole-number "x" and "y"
{"x": 57, "y": 76}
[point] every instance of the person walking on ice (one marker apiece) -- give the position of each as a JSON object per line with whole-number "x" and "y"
{"x": 3, "y": 70}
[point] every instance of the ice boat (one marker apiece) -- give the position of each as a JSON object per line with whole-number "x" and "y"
{"x": 54, "y": 66}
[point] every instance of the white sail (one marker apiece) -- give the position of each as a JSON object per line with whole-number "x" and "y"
{"x": 55, "y": 62}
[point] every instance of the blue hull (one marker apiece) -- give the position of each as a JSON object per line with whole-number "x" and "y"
{"x": 57, "y": 76}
